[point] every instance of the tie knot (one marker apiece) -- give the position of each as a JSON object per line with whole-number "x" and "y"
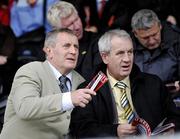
{"x": 121, "y": 85}
{"x": 63, "y": 79}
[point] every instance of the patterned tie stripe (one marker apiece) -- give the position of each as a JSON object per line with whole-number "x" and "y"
{"x": 124, "y": 100}
{"x": 129, "y": 114}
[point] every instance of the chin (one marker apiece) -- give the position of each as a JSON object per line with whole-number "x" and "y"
{"x": 70, "y": 66}
{"x": 126, "y": 73}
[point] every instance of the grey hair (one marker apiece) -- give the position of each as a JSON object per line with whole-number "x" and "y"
{"x": 51, "y": 37}
{"x": 59, "y": 10}
{"x": 144, "y": 19}
{"x": 104, "y": 42}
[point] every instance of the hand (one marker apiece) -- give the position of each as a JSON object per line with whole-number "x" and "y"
{"x": 81, "y": 97}
{"x": 3, "y": 59}
{"x": 31, "y": 2}
{"x": 124, "y": 130}
{"x": 91, "y": 29}
{"x": 171, "y": 19}
{"x": 173, "y": 87}
{"x": 169, "y": 132}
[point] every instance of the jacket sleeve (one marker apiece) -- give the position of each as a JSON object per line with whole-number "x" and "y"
{"x": 84, "y": 124}
{"x": 91, "y": 120}
{"x": 27, "y": 99}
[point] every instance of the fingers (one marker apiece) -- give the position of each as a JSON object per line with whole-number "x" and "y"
{"x": 81, "y": 97}
{"x": 126, "y": 129}
{"x": 89, "y": 91}
{"x": 82, "y": 105}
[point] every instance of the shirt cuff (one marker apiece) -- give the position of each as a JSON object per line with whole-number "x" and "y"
{"x": 67, "y": 102}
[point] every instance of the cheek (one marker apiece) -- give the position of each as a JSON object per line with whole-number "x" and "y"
{"x": 59, "y": 54}
{"x": 70, "y": 27}
{"x": 79, "y": 24}
{"x": 159, "y": 39}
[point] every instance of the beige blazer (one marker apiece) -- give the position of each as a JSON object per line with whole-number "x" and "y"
{"x": 34, "y": 106}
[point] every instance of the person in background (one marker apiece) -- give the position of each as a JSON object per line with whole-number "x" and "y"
{"x": 102, "y": 15}
{"x": 129, "y": 93}
{"x": 28, "y": 15}
{"x": 64, "y": 15}
{"x": 7, "y": 38}
{"x": 156, "y": 47}
{"x": 44, "y": 93}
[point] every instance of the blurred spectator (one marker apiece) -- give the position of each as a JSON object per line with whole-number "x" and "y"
{"x": 64, "y": 15}
{"x": 163, "y": 8}
{"x": 7, "y": 68}
{"x": 28, "y": 15}
{"x": 6, "y": 47}
{"x": 79, "y": 4}
{"x": 103, "y": 14}
{"x": 176, "y": 10}
{"x": 29, "y": 24}
{"x": 157, "y": 48}
{"x": 5, "y": 6}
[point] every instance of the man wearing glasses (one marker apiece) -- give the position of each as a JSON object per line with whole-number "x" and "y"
{"x": 156, "y": 48}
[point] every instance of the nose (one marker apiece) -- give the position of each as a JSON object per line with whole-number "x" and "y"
{"x": 76, "y": 26}
{"x": 126, "y": 57}
{"x": 151, "y": 40}
{"x": 73, "y": 49}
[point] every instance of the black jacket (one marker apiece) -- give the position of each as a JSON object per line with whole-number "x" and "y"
{"x": 86, "y": 44}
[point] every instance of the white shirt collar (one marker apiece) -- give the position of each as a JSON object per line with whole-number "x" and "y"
{"x": 58, "y": 74}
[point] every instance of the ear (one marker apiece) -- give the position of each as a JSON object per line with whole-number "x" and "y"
{"x": 135, "y": 34}
{"x": 160, "y": 27}
{"x": 47, "y": 51}
{"x": 105, "y": 57}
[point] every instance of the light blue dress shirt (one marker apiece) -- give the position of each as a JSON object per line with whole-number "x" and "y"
{"x": 25, "y": 18}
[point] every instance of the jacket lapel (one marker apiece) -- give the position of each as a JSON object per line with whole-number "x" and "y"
{"x": 51, "y": 78}
{"x": 77, "y": 79}
{"x": 108, "y": 97}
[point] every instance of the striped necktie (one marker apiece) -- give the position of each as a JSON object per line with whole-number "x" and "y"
{"x": 63, "y": 86}
{"x": 129, "y": 114}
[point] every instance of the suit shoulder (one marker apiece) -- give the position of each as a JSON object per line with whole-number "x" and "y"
{"x": 77, "y": 75}
{"x": 32, "y": 66}
{"x": 151, "y": 77}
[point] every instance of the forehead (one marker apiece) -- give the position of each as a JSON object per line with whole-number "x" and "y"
{"x": 67, "y": 37}
{"x": 69, "y": 20}
{"x": 121, "y": 43}
{"x": 148, "y": 32}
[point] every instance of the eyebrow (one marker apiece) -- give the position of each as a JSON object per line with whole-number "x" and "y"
{"x": 72, "y": 22}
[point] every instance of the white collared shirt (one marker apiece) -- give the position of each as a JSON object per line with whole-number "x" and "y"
{"x": 66, "y": 97}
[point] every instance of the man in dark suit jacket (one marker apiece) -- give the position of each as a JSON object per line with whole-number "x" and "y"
{"x": 104, "y": 116}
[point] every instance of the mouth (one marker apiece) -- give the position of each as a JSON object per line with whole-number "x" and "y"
{"x": 126, "y": 67}
{"x": 71, "y": 59}
{"x": 77, "y": 33}
{"x": 152, "y": 46}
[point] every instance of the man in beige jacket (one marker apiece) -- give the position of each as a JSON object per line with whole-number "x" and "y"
{"x": 36, "y": 107}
